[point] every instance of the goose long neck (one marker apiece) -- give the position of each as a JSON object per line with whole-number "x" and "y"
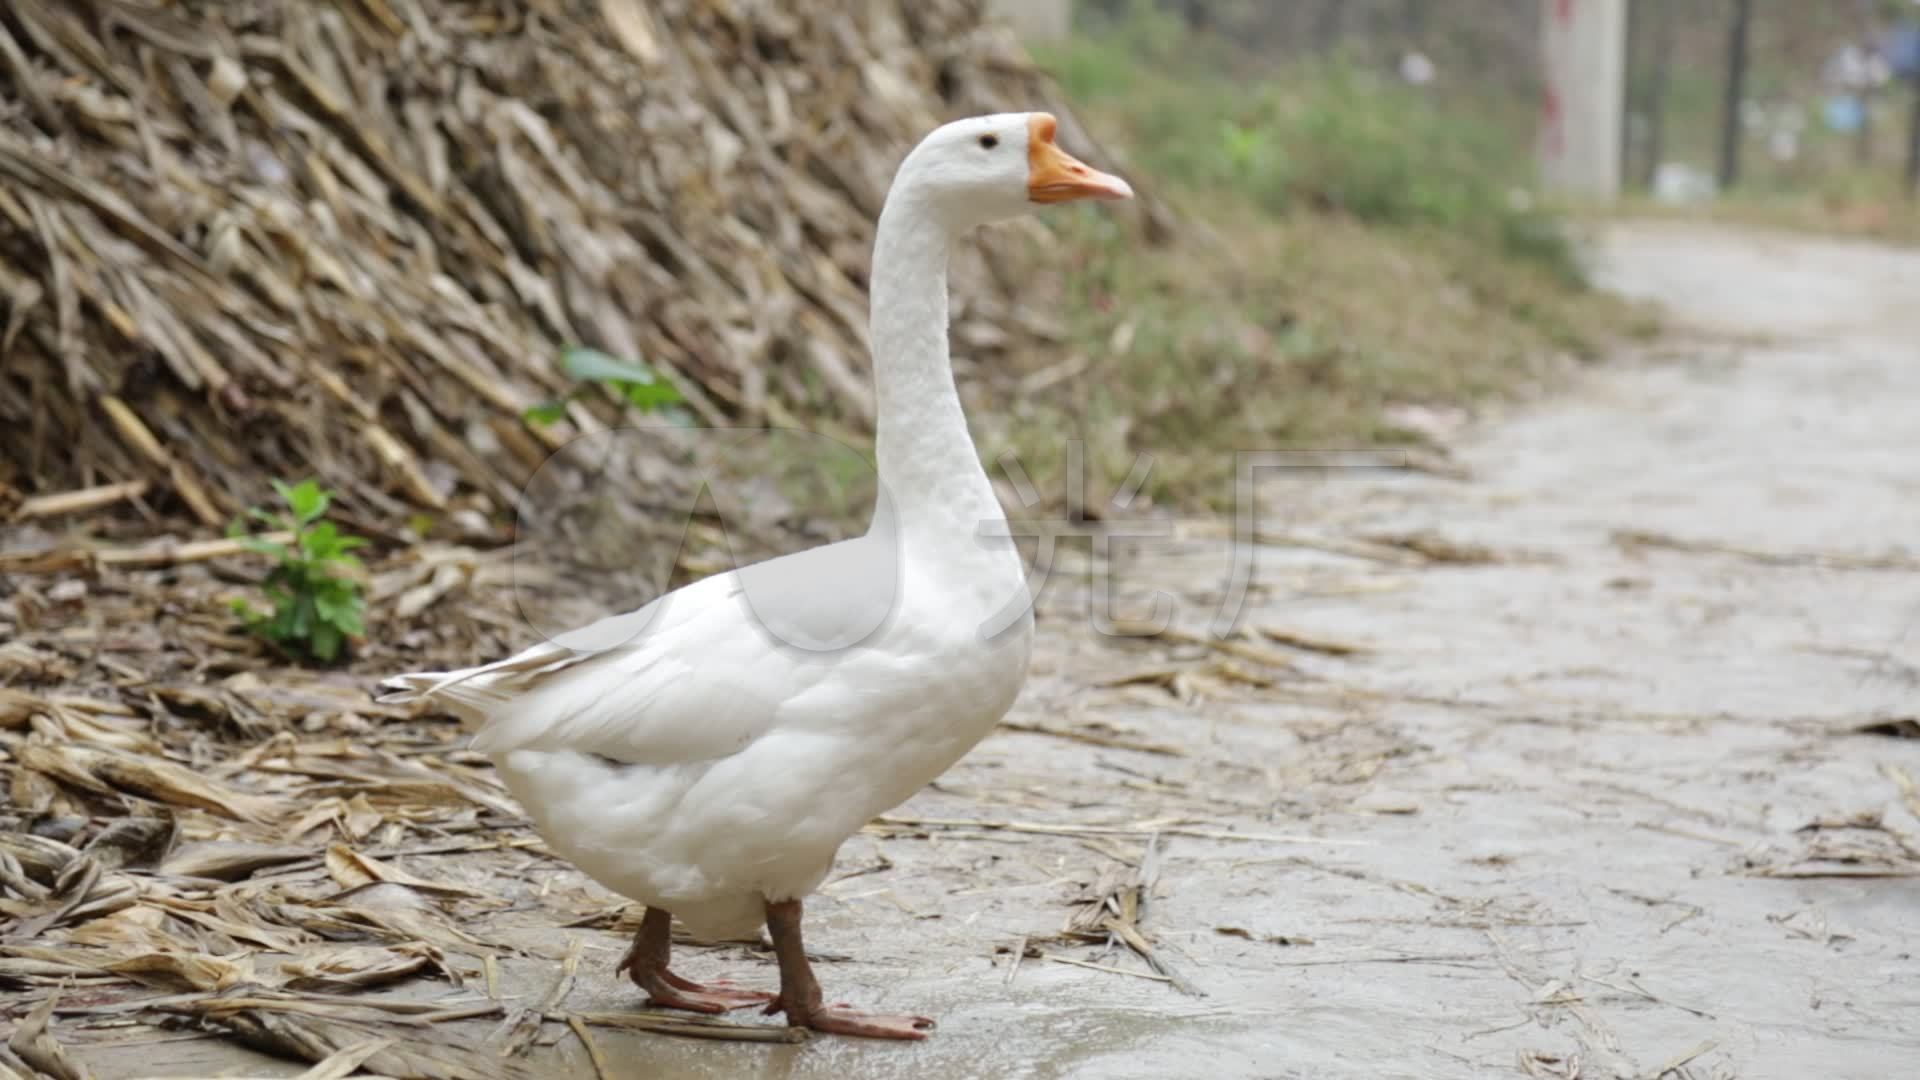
{"x": 928, "y": 466}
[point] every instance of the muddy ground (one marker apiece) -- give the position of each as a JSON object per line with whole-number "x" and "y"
{"x": 1594, "y": 795}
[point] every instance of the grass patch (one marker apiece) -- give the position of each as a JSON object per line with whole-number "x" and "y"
{"x": 1328, "y": 137}
{"x": 1355, "y": 249}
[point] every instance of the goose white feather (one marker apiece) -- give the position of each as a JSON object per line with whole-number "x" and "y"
{"x": 709, "y": 753}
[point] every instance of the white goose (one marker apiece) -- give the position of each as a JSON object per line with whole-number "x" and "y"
{"x": 708, "y": 754}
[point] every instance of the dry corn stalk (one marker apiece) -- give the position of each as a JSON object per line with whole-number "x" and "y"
{"x": 349, "y": 238}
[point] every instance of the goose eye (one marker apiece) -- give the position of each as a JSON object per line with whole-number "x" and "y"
{"x": 988, "y": 142}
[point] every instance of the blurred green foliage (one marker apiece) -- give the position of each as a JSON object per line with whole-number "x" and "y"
{"x": 1321, "y": 136}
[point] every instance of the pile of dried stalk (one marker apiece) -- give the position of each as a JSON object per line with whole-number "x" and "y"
{"x": 348, "y": 239}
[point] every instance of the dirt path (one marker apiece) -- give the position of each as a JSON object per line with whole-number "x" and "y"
{"x": 1595, "y": 807}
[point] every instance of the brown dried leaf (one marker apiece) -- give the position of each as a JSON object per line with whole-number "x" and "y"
{"x": 356, "y": 817}
{"x": 384, "y": 910}
{"x": 229, "y": 860}
{"x": 347, "y": 1060}
{"x": 184, "y": 971}
{"x": 128, "y": 735}
{"x": 352, "y": 870}
{"x": 42, "y": 859}
{"x": 109, "y": 772}
{"x": 350, "y": 967}
{"x": 134, "y": 841}
{"x": 17, "y": 705}
{"x": 233, "y": 922}
{"x": 36, "y": 1046}
{"x": 313, "y": 1030}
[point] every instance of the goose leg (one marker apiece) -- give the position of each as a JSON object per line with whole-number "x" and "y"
{"x": 800, "y": 992}
{"x": 646, "y": 965}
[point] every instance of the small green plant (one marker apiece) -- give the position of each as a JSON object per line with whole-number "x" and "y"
{"x": 316, "y": 609}
{"x": 640, "y": 385}
{"x": 1248, "y": 151}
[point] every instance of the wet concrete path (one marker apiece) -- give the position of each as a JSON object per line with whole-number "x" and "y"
{"x": 1592, "y": 799}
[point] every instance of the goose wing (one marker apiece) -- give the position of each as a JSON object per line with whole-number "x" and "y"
{"x": 698, "y": 674}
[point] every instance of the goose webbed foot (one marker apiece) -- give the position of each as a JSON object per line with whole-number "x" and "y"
{"x": 646, "y": 965}
{"x": 800, "y": 993}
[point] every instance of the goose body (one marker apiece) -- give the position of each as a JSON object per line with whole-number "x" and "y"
{"x": 707, "y": 754}
{"x": 708, "y": 764}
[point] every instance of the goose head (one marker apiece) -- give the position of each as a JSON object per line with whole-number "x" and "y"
{"x": 991, "y": 168}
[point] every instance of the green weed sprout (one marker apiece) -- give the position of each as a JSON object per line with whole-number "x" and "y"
{"x": 641, "y": 386}
{"x": 316, "y": 610}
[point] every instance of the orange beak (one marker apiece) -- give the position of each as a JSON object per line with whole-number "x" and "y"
{"x": 1055, "y": 176}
